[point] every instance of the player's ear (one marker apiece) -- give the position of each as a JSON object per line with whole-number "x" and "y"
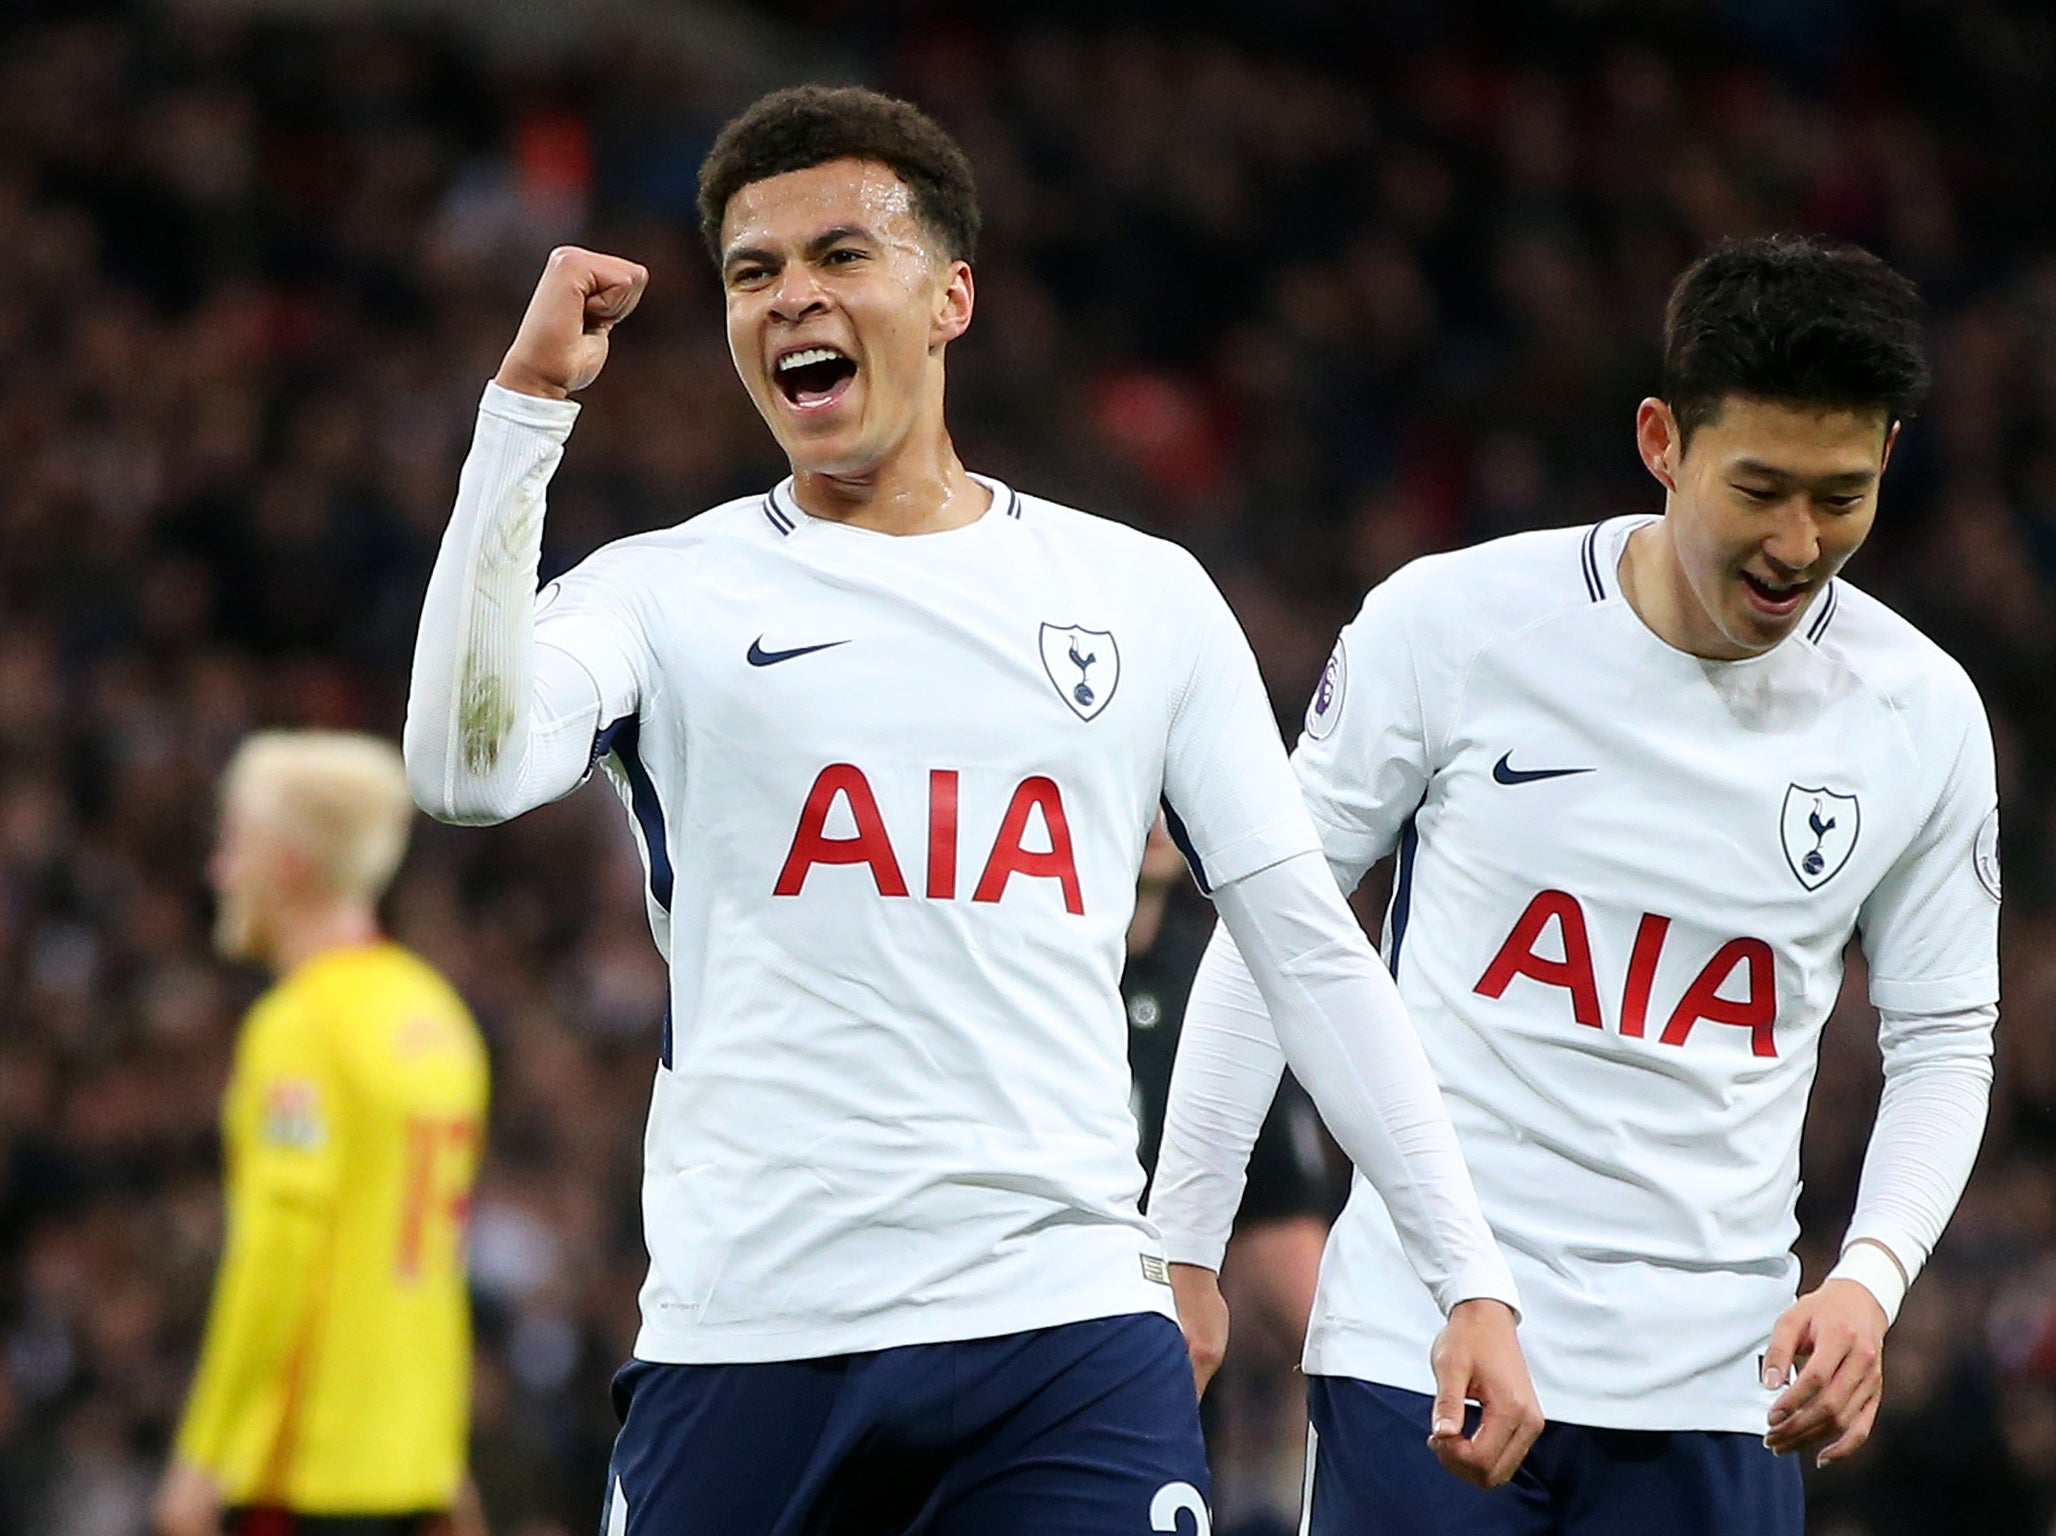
{"x": 1891, "y": 437}
{"x": 1656, "y": 437}
{"x": 954, "y": 304}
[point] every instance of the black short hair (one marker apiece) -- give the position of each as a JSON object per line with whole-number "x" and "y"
{"x": 1800, "y": 321}
{"x": 809, "y": 125}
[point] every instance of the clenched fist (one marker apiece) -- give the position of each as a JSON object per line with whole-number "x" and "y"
{"x": 562, "y": 343}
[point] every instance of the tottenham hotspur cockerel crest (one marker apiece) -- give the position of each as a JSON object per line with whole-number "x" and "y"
{"x": 1819, "y": 828}
{"x": 1085, "y": 664}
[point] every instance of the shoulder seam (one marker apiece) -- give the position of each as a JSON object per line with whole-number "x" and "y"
{"x": 1478, "y": 650}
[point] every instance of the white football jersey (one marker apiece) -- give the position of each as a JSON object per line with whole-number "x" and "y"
{"x": 891, "y": 794}
{"x": 1626, "y": 878}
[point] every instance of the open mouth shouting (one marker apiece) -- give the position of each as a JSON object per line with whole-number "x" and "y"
{"x": 813, "y": 378}
{"x": 1775, "y": 599}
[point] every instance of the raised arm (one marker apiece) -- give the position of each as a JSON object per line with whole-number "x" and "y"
{"x": 497, "y": 724}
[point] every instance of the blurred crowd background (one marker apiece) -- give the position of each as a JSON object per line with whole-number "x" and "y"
{"x": 1312, "y": 287}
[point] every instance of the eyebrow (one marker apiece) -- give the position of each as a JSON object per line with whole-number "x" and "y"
{"x": 820, "y": 244}
{"x": 1849, "y": 477}
{"x": 816, "y": 247}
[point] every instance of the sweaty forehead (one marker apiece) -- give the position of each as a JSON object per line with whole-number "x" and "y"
{"x": 795, "y": 206}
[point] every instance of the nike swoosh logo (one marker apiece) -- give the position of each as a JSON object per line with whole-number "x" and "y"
{"x": 1503, "y": 772}
{"x": 759, "y": 657}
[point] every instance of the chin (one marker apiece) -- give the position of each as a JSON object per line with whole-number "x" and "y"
{"x": 1754, "y": 638}
{"x": 829, "y": 454}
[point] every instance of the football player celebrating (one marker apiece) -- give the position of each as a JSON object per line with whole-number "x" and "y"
{"x": 1645, "y": 780}
{"x": 892, "y": 736}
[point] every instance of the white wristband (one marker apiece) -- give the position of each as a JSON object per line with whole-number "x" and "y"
{"x": 1871, "y": 1267}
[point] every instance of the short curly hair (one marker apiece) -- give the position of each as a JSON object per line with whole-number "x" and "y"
{"x": 809, "y": 125}
{"x": 1806, "y": 322}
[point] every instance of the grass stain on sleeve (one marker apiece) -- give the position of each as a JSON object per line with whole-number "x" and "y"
{"x": 484, "y": 716}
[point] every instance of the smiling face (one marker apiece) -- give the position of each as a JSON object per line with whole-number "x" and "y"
{"x": 839, "y": 307}
{"x": 1766, "y": 503}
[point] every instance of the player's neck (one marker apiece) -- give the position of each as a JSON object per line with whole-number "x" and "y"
{"x": 920, "y": 487}
{"x": 1652, "y": 579}
{"x": 306, "y": 932}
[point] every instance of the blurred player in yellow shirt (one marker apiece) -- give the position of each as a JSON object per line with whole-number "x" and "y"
{"x": 333, "y": 1390}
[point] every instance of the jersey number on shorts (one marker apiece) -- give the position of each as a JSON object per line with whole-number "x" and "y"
{"x": 1175, "y": 1499}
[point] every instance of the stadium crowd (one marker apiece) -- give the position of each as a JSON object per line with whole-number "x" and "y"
{"x": 1312, "y": 301}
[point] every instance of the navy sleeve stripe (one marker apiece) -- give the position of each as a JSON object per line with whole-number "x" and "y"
{"x": 1184, "y": 841}
{"x": 621, "y": 739}
{"x": 1402, "y": 890}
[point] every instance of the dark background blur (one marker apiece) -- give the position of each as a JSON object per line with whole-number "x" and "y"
{"x": 1312, "y": 287}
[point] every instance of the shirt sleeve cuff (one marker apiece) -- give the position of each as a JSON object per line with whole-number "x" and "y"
{"x": 1485, "y": 1280}
{"x": 551, "y": 416}
{"x": 1870, "y": 1265}
{"x": 1190, "y": 1248}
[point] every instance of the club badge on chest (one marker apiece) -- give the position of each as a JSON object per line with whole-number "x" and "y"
{"x": 1819, "y": 827}
{"x": 1083, "y": 664}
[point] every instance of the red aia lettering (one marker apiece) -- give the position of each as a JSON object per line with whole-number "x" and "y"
{"x": 1702, "y": 1000}
{"x": 1573, "y": 972}
{"x": 1642, "y": 973}
{"x": 812, "y": 845}
{"x": 1009, "y": 858}
{"x": 872, "y": 846}
{"x": 942, "y": 834}
{"x": 1757, "y": 1011}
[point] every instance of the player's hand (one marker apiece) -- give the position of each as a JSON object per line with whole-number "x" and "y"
{"x": 188, "y": 1503}
{"x": 562, "y": 344}
{"x": 1477, "y": 1357}
{"x": 1838, "y": 1332}
{"x": 1203, "y": 1314}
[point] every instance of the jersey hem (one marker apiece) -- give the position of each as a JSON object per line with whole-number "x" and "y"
{"x": 723, "y": 1346}
{"x": 325, "y": 1507}
{"x": 1661, "y": 1410}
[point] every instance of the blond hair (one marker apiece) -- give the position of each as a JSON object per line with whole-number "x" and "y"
{"x": 340, "y": 797}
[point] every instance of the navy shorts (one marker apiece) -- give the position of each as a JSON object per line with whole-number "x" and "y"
{"x": 1089, "y": 1429}
{"x": 1370, "y": 1470}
